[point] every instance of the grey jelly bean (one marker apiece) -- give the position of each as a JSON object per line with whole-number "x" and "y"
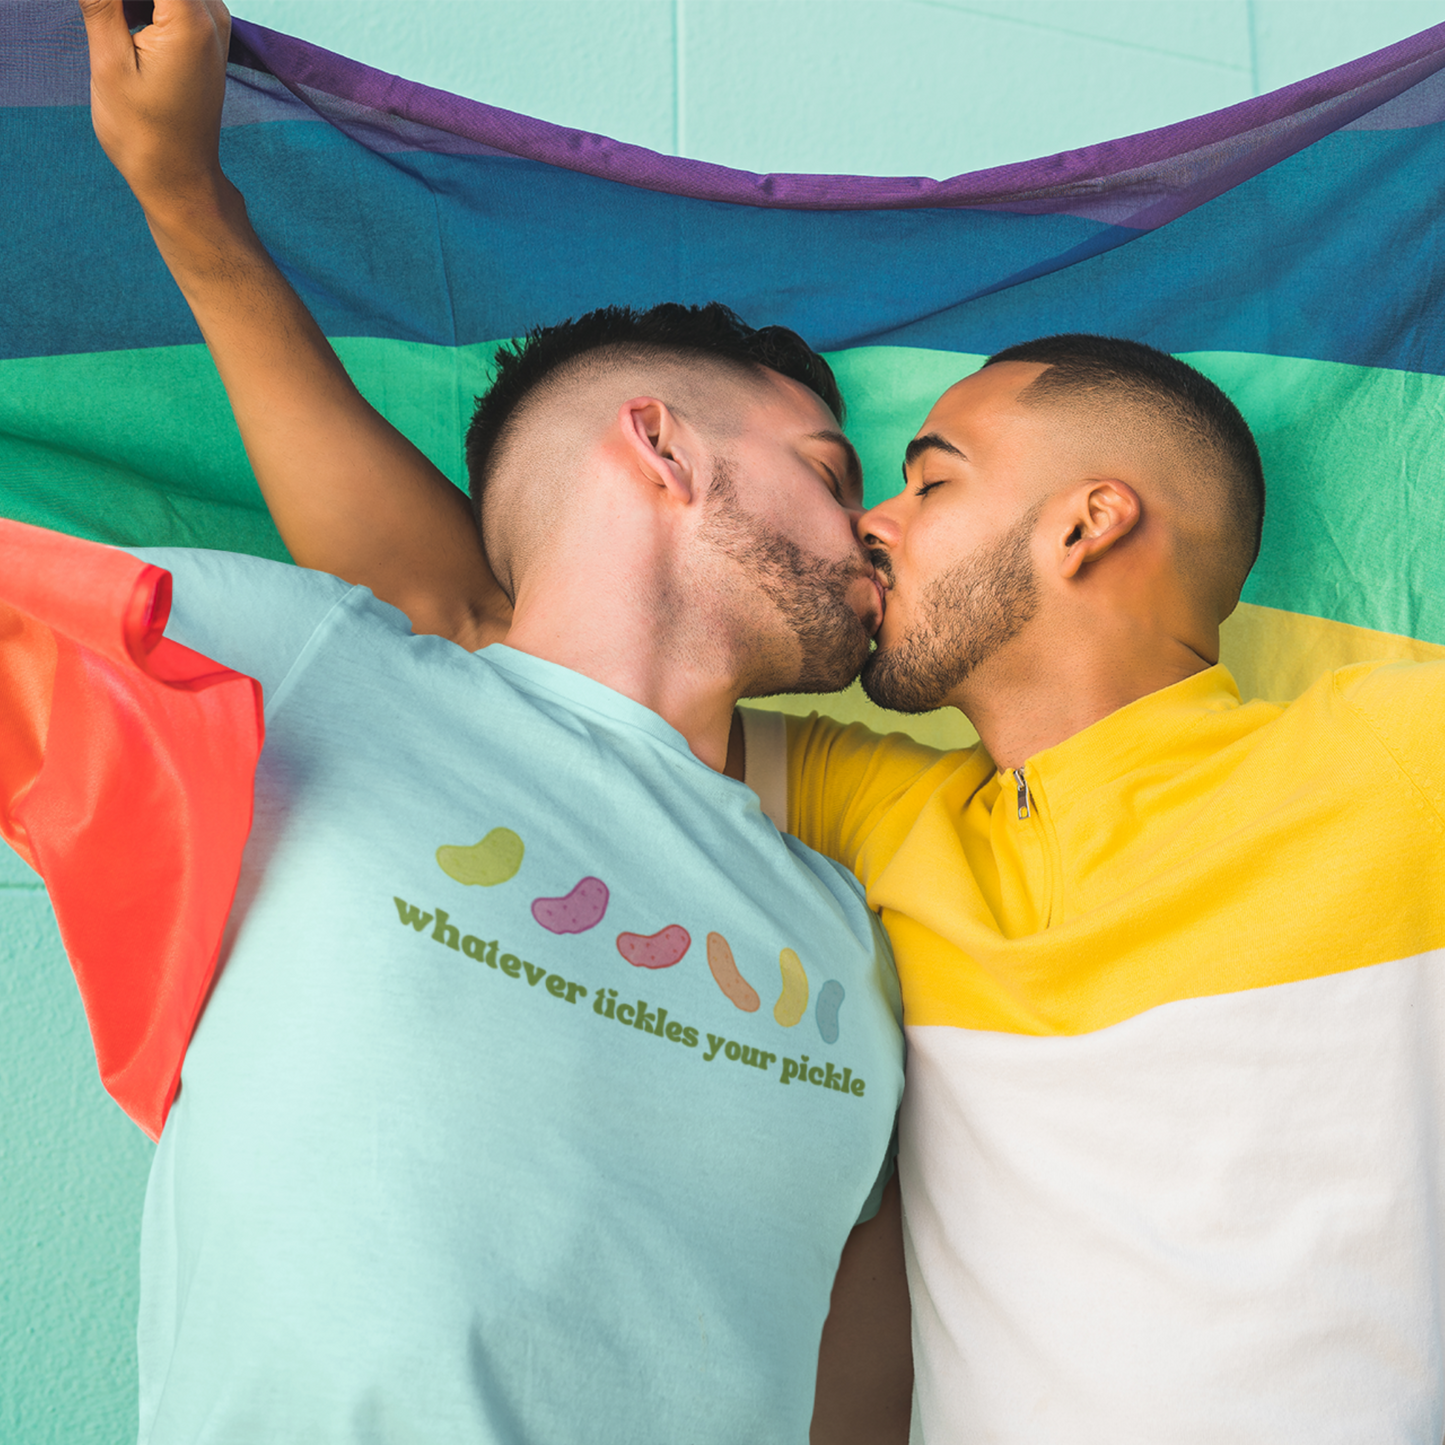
{"x": 830, "y": 1000}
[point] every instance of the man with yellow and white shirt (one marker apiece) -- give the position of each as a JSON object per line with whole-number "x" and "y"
{"x": 1172, "y": 1141}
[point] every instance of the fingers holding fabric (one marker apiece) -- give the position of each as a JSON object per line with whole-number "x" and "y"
{"x": 156, "y": 96}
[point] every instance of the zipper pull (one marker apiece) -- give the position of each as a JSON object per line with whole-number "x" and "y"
{"x": 1025, "y": 803}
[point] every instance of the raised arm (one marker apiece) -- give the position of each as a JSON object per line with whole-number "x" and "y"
{"x": 349, "y": 494}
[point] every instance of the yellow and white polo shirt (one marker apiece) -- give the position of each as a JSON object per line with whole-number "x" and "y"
{"x": 1173, "y": 1142}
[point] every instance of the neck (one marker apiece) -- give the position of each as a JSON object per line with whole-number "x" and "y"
{"x": 1024, "y": 704}
{"x": 639, "y": 635}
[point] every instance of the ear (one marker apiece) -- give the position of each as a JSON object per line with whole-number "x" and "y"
{"x": 1101, "y": 513}
{"x": 658, "y": 448}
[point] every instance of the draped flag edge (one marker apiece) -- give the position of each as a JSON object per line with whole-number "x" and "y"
{"x": 126, "y": 770}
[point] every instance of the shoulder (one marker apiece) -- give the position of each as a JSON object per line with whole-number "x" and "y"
{"x": 1391, "y": 683}
{"x": 834, "y": 877}
{"x": 1401, "y": 703}
{"x": 249, "y": 613}
{"x": 1401, "y": 696}
{"x": 201, "y": 574}
{"x": 852, "y": 901}
{"x": 818, "y": 741}
{"x": 845, "y": 780}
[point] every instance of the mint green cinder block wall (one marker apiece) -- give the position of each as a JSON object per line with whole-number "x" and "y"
{"x": 917, "y": 87}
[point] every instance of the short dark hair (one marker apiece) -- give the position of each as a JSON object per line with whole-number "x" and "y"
{"x": 1080, "y": 364}
{"x": 670, "y": 329}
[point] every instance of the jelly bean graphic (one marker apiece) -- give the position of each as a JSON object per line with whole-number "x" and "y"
{"x": 736, "y": 989}
{"x": 495, "y": 859}
{"x": 830, "y": 1000}
{"x": 794, "y": 997}
{"x": 580, "y": 910}
{"x": 655, "y": 950}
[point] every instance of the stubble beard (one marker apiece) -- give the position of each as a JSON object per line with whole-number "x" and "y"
{"x": 967, "y": 616}
{"x": 809, "y": 591}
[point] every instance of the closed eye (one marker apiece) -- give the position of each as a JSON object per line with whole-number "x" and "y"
{"x": 846, "y": 481}
{"x": 924, "y": 488}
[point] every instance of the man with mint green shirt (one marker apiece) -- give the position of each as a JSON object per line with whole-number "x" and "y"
{"x": 543, "y": 1082}
{"x": 480, "y": 1137}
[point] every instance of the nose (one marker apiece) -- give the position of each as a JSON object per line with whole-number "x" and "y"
{"x": 876, "y": 527}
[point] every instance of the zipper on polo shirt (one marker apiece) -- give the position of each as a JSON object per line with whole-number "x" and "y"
{"x": 1025, "y": 802}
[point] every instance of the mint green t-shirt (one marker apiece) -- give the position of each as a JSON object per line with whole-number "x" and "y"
{"x": 543, "y": 1079}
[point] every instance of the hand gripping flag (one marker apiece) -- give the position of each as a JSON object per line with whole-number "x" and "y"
{"x": 1292, "y": 247}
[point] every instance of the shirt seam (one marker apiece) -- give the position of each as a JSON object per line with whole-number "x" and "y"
{"x": 1432, "y": 802}
{"x": 277, "y": 700}
{"x": 672, "y": 744}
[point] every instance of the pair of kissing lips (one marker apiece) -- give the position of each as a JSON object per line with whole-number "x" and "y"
{"x": 882, "y": 580}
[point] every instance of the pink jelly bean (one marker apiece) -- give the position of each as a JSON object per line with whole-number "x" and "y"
{"x": 580, "y": 910}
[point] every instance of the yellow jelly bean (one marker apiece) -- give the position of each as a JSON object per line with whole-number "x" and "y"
{"x": 794, "y": 998}
{"x": 494, "y": 860}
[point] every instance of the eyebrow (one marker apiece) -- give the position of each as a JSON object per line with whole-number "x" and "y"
{"x": 855, "y": 467}
{"x": 929, "y": 442}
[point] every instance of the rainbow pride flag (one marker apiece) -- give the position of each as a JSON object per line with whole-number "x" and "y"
{"x": 1292, "y": 247}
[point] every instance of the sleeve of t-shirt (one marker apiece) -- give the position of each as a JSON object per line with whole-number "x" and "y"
{"x": 874, "y": 1202}
{"x": 893, "y": 992}
{"x": 247, "y": 613}
{"x": 843, "y": 778}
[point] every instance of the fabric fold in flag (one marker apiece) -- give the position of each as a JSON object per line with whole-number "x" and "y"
{"x": 126, "y": 770}
{"x": 1291, "y": 246}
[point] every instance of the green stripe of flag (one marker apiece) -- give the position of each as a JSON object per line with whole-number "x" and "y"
{"x": 139, "y": 447}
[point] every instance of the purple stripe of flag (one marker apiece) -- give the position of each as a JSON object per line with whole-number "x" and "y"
{"x": 1140, "y": 181}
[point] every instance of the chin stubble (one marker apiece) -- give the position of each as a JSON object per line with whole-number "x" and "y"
{"x": 967, "y": 615}
{"x": 809, "y": 591}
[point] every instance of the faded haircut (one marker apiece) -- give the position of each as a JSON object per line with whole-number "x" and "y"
{"x": 1110, "y": 370}
{"x": 621, "y": 334}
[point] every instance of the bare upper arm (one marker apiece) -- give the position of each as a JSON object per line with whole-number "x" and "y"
{"x": 865, "y": 1367}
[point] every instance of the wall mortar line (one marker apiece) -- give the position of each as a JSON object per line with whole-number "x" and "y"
{"x": 1208, "y": 61}
{"x": 1251, "y": 17}
{"x": 678, "y": 72}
